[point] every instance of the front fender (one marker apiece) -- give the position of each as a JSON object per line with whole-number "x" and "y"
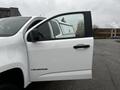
{"x": 11, "y": 66}
{"x": 13, "y": 54}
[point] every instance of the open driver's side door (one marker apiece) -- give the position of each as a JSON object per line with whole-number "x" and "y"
{"x": 56, "y": 52}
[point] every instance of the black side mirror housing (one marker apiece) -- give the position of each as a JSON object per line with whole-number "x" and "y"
{"x": 35, "y": 36}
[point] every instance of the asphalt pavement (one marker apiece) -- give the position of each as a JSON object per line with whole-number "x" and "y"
{"x": 106, "y": 71}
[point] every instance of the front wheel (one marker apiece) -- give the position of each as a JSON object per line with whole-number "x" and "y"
{"x": 8, "y": 87}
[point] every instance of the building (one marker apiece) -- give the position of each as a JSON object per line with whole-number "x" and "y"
{"x": 106, "y": 33}
{"x": 9, "y": 12}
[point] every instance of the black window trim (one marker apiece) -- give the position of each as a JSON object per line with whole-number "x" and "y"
{"x": 88, "y": 24}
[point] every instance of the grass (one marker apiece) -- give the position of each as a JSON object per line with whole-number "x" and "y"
{"x": 118, "y": 41}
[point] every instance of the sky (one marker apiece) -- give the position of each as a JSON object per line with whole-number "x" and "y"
{"x": 105, "y": 13}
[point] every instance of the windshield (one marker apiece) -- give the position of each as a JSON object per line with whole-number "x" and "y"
{"x": 10, "y": 26}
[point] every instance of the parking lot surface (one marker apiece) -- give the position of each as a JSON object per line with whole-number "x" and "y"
{"x": 106, "y": 71}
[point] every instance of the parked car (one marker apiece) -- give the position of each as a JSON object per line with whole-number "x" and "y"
{"x": 36, "y": 49}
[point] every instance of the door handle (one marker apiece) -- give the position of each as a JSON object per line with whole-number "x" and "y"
{"x": 81, "y": 46}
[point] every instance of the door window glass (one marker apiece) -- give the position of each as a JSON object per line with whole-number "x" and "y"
{"x": 71, "y": 26}
{"x": 62, "y": 27}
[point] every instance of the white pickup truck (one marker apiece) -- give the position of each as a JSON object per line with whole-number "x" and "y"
{"x": 36, "y": 49}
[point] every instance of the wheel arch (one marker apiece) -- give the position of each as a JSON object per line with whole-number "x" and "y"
{"x": 14, "y": 76}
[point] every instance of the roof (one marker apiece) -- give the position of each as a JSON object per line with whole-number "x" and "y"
{"x": 8, "y": 12}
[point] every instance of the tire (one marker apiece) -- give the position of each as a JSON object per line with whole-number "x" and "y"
{"x": 8, "y": 87}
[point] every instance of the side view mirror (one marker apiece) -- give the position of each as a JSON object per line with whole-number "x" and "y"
{"x": 35, "y": 36}
{"x": 32, "y": 36}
